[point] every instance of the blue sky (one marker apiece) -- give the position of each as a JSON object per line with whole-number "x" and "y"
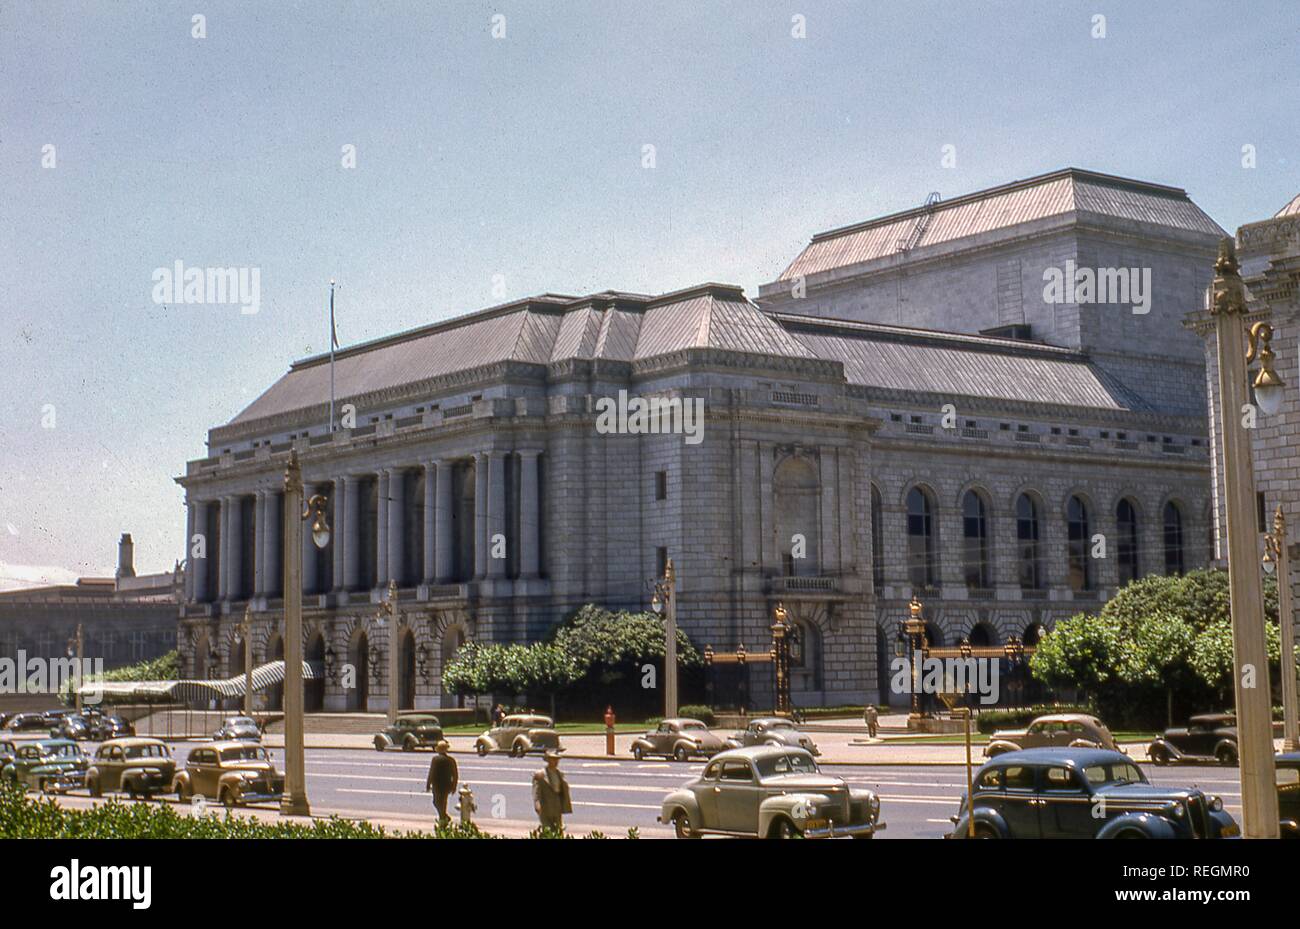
{"x": 518, "y": 157}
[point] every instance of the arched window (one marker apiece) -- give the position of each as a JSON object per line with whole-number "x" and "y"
{"x": 1028, "y": 533}
{"x": 921, "y": 568}
{"x": 975, "y": 541}
{"x": 1126, "y": 519}
{"x": 1079, "y": 532}
{"x": 1173, "y": 539}
{"x": 877, "y": 540}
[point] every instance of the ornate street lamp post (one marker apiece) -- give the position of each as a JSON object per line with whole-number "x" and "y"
{"x": 665, "y": 601}
{"x": 387, "y": 615}
{"x": 782, "y": 636}
{"x": 914, "y": 627}
{"x": 246, "y": 636}
{"x": 1236, "y": 349}
{"x": 75, "y": 648}
{"x": 1277, "y": 558}
{"x": 294, "y": 801}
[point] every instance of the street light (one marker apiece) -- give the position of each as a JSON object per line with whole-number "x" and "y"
{"x": 1236, "y": 348}
{"x": 664, "y": 601}
{"x": 294, "y": 800}
{"x": 388, "y": 608}
{"x": 1269, "y": 387}
{"x": 75, "y": 646}
{"x": 1277, "y": 559}
{"x": 914, "y": 627}
{"x": 782, "y": 636}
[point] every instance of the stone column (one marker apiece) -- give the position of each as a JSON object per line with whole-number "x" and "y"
{"x": 259, "y": 543}
{"x": 339, "y": 533}
{"x": 396, "y": 526}
{"x": 236, "y": 581}
{"x": 445, "y": 542}
{"x": 480, "y": 514}
{"x": 496, "y": 567}
{"x": 191, "y": 568}
{"x": 430, "y": 566}
{"x": 381, "y": 531}
{"x": 530, "y": 514}
{"x": 223, "y": 548}
{"x": 274, "y": 543}
{"x": 351, "y": 532}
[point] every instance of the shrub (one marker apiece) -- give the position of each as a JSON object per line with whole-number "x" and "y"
{"x": 698, "y": 711}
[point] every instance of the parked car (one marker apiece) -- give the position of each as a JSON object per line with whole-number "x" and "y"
{"x": 411, "y": 731}
{"x": 681, "y": 739}
{"x": 1287, "y": 768}
{"x": 47, "y": 765}
{"x": 77, "y": 728}
{"x": 52, "y": 717}
{"x": 519, "y": 734}
{"x": 26, "y": 722}
{"x": 117, "y": 727}
{"x": 772, "y": 791}
{"x": 1084, "y": 793}
{"x": 233, "y": 772}
{"x": 772, "y": 730}
{"x": 1055, "y": 730}
{"x": 1207, "y": 737}
{"x": 239, "y": 728}
{"x": 139, "y": 767}
{"x": 7, "y": 749}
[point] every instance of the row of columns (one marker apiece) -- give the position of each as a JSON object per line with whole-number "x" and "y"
{"x": 348, "y": 491}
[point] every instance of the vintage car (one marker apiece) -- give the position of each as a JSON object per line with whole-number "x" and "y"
{"x": 772, "y": 791}
{"x": 8, "y": 747}
{"x": 1083, "y": 793}
{"x": 116, "y": 727}
{"x": 138, "y": 767}
{"x": 47, "y": 765}
{"x": 772, "y": 730}
{"x": 1207, "y": 737}
{"x": 1055, "y": 730}
{"x": 519, "y": 734}
{"x": 75, "y": 727}
{"x": 26, "y": 722}
{"x": 681, "y": 739}
{"x": 239, "y": 728}
{"x": 410, "y": 731}
{"x": 1287, "y": 768}
{"x": 233, "y": 772}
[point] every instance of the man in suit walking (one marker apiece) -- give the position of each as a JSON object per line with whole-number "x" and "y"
{"x": 551, "y": 794}
{"x": 442, "y": 780}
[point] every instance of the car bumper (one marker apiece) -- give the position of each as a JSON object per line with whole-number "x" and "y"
{"x": 63, "y": 782}
{"x": 833, "y": 831}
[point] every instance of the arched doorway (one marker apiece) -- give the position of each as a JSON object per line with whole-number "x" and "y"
{"x": 314, "y": 688}
{"x": 359, "y": 659}
{"x": 275, "y": 652}
{"x": 982, "y": 635}
{"x": 406, "y": 670}
{"x": 934, "y": 636}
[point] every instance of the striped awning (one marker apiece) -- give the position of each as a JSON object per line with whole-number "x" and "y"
{"x": 265, "y": 677}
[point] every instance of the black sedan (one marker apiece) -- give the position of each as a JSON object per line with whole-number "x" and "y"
{"x": 1207, "y": 737}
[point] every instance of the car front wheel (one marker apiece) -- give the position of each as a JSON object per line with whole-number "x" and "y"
{"x": 92, "y": 786}
{"x": 783, "y": 829}
{"x": 1159, "y": 756}
{"x": 379, "y": 744}
{"x": 682, "y": 754}
{"x": 1226, "y": 755}
{"x": 481, "y": 748}
{"x": 637, "y": 753}
{"x": 408, "y": 744}
{"x": 682, "y": 827}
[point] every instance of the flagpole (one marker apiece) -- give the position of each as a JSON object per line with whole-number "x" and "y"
{"x": 332, "y": 340}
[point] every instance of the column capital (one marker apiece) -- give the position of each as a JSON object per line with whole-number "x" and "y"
{"x": 528, "y": 452}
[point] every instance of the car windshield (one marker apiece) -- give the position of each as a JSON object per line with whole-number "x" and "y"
{"x": 793, "y": 763}
{"x": 62, "y": 751}
{"x": 244, "y": 753}
{"x": 147, "y": 751}
{"x": 1120, "y": 772}
{"x": 240, "y": 721}
{"x": 694, "y": 727}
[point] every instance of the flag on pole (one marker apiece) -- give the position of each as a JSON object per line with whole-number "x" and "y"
{"x": 334, "y": 333}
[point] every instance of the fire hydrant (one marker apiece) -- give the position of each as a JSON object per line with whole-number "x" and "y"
{"x": 466, "y": 806}
{"x": 609, "y": 730}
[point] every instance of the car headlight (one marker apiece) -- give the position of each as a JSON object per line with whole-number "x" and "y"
{"x": 874, "y": 806}
{"x": 1216, "y": 804}
{"x": 1179, "y": 811}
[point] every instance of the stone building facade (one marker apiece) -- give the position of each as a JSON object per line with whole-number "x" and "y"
{"x": 1269, "y": 255}
{"x": 964, "y": 443}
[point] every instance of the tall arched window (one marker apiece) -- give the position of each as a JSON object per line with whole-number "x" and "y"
{"x": 797, "y": 505}
{"x": 921, "y": 568}
{"x": 1028, "y": 533}
{"x": 1126, "y": 519}
{"x": 1079, "y": 532}
{"x": 975, "y": 541}
{"x": 1173, "y": 539}
{"x": 877, "y": 540}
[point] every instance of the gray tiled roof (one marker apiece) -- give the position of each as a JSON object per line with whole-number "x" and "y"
{"x": 916, "y": 360}
{"x": 1061, "y": 192}
{"x": 619, "y": 327}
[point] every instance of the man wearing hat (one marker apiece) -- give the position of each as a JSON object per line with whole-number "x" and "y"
{"x": 551, "y": 793}
{"x": 442, "y": 779}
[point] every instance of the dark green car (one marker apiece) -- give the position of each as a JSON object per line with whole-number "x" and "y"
{"x": 49, "y": 765}
{"x": 409, "y": 732}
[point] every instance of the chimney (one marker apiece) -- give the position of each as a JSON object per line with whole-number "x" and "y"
{"x": 125, "y": 556}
